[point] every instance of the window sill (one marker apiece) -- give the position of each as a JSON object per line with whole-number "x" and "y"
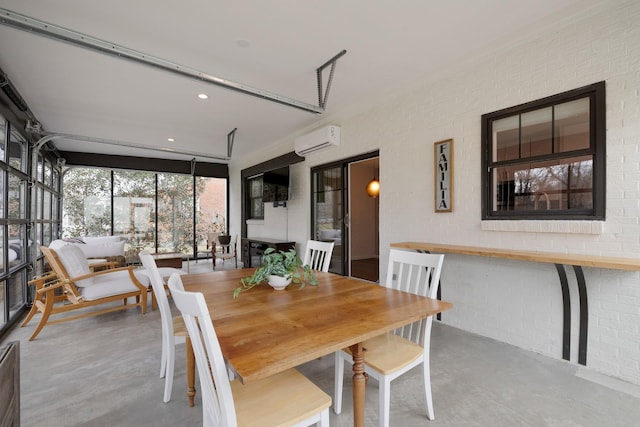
{"x": 564, "y": 227}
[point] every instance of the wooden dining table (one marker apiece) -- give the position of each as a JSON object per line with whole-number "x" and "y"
{"x": 265, "y": 331}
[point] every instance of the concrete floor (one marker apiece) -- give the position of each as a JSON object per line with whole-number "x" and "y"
{"x": 103, "y": 371}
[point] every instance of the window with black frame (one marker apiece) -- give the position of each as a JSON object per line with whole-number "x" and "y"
{"x": 546, "y": 159}
{"x": 255, "y": 202}
{"x": 17, "y": 238}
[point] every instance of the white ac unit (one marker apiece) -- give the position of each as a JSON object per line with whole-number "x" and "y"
{"x": 318, "y": 139}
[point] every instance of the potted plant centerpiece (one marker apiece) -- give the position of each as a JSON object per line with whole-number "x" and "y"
{"x": 278, "y": 269}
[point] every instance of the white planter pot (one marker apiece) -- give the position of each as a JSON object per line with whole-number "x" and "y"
{"x": 278, "y": 282}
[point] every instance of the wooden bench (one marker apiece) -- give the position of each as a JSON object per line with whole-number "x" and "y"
{"x": 560, "y": 261}
{"x": 58, "y": 292}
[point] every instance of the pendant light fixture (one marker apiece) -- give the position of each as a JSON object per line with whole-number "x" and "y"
{"x": 373, "y": 187}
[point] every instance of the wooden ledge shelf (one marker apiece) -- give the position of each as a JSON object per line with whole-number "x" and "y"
{"x": 614, "y": 263}
{"x": 560, "y": 261}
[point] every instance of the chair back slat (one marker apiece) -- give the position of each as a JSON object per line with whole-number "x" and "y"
{"x": 218, "y": 406}
{"x": 318, "y": 255}
{"x": 159, "y": 291}
{"x": 417, "y": 273}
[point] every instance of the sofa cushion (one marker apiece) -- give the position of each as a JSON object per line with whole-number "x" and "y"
{"x": 75, "y": 263}
{"x": 57, "y": 244}
{"x": 118, "y": 282}
{"x": 74, "y": 240}
{"x": 13, "y": 255}
{"x": 102, "y": 249}
{"x": 94, "y": 247}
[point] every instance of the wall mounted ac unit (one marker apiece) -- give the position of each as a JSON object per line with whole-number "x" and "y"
{"x": 318, "y": 139}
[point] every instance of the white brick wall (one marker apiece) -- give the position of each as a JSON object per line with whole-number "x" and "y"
{"x": 516, "y": 302}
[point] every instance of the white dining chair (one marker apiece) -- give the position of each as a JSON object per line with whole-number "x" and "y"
{"x": 173, "y": 329}
{"x": 390, "y": 355}
{"x": 287, "y": 398}
{"x": 317, "y": 255}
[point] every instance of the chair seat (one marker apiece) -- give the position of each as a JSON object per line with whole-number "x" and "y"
{"x": 283, "y": 399}
{"x": 179, "y": 328}
{"x": 389, "y": 353}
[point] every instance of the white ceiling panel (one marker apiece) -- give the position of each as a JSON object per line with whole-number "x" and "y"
{"x": 270, "y": 45}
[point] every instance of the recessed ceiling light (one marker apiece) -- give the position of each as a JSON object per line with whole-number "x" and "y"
{"x": 170, "y": 139}
{"x": 203, "y": 96}
{"x": 243, "y": 43}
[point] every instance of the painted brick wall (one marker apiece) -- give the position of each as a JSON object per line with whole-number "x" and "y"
{"x": 515, "y": 302}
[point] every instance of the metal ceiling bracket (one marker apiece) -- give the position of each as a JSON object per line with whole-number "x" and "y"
{"x": 322, "y": 99}
{"x": 51, "y": 137}
{"x": 46, "y": 29}
{"x": 231, "y": 136}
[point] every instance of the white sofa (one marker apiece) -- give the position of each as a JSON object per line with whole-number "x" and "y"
{"x": 107, "y": 247}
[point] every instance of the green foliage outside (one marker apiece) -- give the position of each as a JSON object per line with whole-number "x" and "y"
{"x": 87, "y": 208}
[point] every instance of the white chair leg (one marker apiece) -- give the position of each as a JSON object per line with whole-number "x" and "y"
{"x": 339, "y": 378}
{"x": 384, "y": 397}
{"x": 427, "y": 388}
{"x": 168, "y": 380}
{"x": 324, "y": 418}
{"x": 230, "y": 373}
{"x": 206, "y": 418}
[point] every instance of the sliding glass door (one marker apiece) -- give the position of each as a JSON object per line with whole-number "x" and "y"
{"x": 330, "y": 214}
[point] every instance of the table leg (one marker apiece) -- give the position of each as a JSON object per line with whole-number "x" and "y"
{"x": 191, "y": 372}
{"x": 358, "y": 384}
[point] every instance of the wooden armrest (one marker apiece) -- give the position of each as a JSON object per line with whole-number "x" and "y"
{"x": 42, "y": 279}
{"x": 98, "y": 273}
{"x": 49, "y": 288}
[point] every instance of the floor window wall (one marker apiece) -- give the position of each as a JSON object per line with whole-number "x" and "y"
{"x": 29, "y": 204}
{"x": 162, "y": 212}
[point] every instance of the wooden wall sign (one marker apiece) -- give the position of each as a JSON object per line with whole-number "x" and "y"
{"x": 443, "y": 171}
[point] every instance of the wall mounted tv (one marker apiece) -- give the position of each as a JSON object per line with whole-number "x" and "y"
{"x": 275, "y": 185}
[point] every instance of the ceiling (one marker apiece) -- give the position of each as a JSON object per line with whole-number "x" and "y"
{"x": 273, "y": 46}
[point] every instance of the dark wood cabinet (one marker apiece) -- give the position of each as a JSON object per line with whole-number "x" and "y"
{"x": 10, "y": 385}
{"x": 252, "y": 249}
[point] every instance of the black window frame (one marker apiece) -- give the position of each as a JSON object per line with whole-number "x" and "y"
{"x": 250, "y": 200}
{"x": 597, "y": 149}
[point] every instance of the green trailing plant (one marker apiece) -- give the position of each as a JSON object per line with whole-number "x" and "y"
{"x": 282, "y": 263}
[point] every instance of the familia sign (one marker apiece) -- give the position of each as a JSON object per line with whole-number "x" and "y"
{"x": 443, "y": 170}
